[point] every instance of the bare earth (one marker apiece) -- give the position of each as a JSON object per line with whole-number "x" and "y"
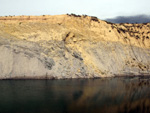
{"x": 72, "y": 46}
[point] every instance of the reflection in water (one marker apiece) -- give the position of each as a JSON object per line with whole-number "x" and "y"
{"x": 109, "y": 95}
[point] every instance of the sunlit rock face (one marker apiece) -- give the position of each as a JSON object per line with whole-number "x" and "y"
{"x": 71, "y": 46}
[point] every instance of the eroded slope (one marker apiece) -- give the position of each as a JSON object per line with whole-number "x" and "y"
{"x": 72, "y": 46}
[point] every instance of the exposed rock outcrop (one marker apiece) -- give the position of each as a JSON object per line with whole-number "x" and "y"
{"x": 71, "y": 46}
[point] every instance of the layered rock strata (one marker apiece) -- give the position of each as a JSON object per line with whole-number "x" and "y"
{"x": 71, "y": 46}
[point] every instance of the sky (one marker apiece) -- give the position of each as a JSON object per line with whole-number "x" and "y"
{"x": 101, "y": 8}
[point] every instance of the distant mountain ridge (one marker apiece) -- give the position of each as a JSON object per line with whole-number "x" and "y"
{"x": 130, "y": 19}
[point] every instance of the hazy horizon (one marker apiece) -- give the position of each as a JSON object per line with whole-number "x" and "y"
{"x": 101, "y": 9}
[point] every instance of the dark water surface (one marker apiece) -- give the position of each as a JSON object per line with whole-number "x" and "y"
{"x": 109, "y": 95}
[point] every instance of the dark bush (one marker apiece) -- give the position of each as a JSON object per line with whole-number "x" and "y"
{"x": 109, "y": 22}
{"x": 137, "y": 37}
{"x": 145, "y": 23}
{"x": 84, "y": 16}
{"x": 112, "y": 27}
{"x": 147, "y": 37}
{"x": 93, "y": 18}
{"x": 74, "y": 15}
{"x": 118, "y": 30}
{"x": 122, "y": 30}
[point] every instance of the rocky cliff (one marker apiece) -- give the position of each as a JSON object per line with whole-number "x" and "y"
{"x": 71, "y": 46}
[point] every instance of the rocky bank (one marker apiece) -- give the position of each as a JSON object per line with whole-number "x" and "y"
{"x": 72, "y": 46}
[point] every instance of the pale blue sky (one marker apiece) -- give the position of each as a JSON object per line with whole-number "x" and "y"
{"x": 100, "y": 8}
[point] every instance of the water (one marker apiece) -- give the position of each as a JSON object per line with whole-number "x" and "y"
{"x": 109, "y": 95}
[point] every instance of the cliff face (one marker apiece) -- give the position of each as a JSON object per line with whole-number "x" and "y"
{"x": 72, "y": 46}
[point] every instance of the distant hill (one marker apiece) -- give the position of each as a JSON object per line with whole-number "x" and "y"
{"x": 130, "y": 19}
